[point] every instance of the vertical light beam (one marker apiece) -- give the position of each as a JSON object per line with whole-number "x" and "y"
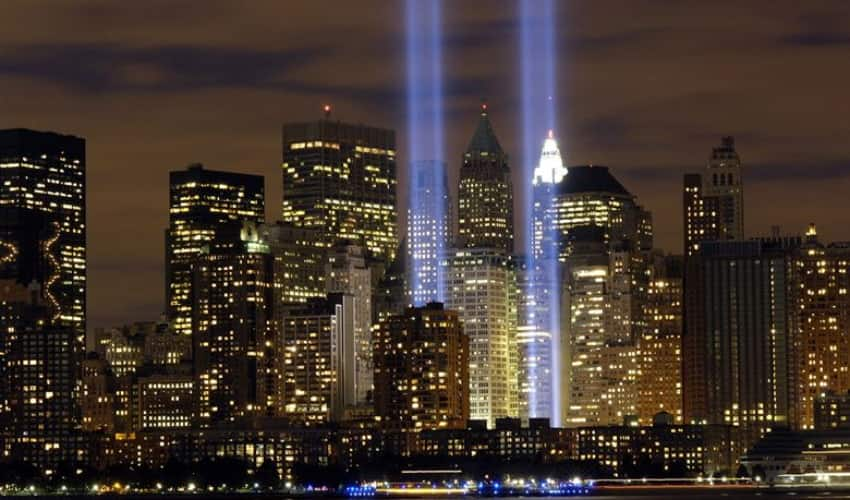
{"x": 428, "y": 215}
{"x": 538, "y": 87}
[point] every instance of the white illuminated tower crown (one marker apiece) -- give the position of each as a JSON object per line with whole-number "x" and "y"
{"x": 551, "y": 168}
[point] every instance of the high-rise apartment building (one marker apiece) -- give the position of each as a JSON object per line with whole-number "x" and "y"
{"x": 232, "y": 333}
{"x": 659, "y": 384}
{"x": 348, "y": 271}
{"x": 714, "y": 199}
{"x": 340, "y": 179}
{"x": 485, "y": 192}
{"x": 429, "y": 232}
{"x": 736, "y": 341}
{"x": 45, "y": 173}
{"x": 422, "y": 370}
{"x": 481, "y": 286}
{"x": 318, "y": 360}
{"x": 820, "y": 325}
{"x": 202, "y": 203}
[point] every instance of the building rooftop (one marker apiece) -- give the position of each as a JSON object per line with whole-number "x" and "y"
{"x": 591, "y": 179}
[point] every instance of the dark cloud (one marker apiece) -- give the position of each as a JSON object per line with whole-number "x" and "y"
{"x": 115, "y": 68}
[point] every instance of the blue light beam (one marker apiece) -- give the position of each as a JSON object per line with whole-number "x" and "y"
{"x": 539, "y": 107}
{"x": 428, "y": 214}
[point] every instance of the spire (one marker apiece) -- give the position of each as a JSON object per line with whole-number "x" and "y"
{"x": 484, "y": 139}
{"x": 551, "y": 168}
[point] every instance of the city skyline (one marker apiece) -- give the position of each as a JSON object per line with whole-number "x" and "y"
{"x": 147, "y": 108}
{"x": 586, "y": 277}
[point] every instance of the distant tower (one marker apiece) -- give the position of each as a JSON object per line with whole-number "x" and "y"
{"x": 202, "y": 203}
{"x": 428, "y": 232}
{"x": 485, "y": 192}
{"x": 340, "y": 178}
{"x": 714, "y": 199}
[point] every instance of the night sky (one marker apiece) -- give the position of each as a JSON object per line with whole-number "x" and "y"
{"x": 646, "y": 88}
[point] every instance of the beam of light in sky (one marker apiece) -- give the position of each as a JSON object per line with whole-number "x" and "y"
{"x": 428, "y": 222}
{"x": 539, "y": 106}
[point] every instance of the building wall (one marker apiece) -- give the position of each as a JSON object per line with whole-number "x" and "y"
{"x": 482, "y": 289}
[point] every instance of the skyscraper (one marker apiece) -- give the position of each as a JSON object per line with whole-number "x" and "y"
{"x": 317, "y": 361}
{"x": 485, "y": 192}
{"x": 202, "y": 203}
{"x": 348, "y": 272}
{"x": 735, "y": 345}
{"x": 820, "y": 322}
{"x": 232, "y": 334}
{"x": 660, "y": 344}
{"x": 428, "y": 232}
{"x": 46, "y": 172}
{"x": 340, "y": 178}
{"x": 481, "y": 286}
{"x": 422, "y": 370}
{"x": 299, "y": 262}
{"x": 714, "y": 199}
{"x": 602, "y": 301}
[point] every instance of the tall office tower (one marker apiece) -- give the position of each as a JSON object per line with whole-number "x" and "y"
{"x": 714, "y": 199}
{"x": 535, "y": 378}
{"x": 735, "y": 344}
{"x": 539, "y": 331}
{"x": 591, "y": 196}
{"x": 482, "y": 288}
{"x": 299, "y": 262}
{"x": 317, "y": 364}
{"x": 660, "y": 343}
{"x": 201, "y": 202}
{"x": 428, "y": 233}
{"x": 485, "y": 192}
{"x": 40, "y": 349}
{"x": 349, "y": 272}
{"x": 820, "y": 322}
{"x": 46, "y": 172}
{"x": 233, "y": 341}
{"x": 340, "y": 178}
{"x": 601, "y": 362}
{"x": 422, "y": 370}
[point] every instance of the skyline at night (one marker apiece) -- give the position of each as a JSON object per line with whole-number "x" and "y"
{"x": 645, "y": 88}
{"x": 382, "y": 249}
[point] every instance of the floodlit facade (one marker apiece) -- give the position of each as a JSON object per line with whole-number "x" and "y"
{"x": 714, "y": 199}
{"x": 422, "y": 370}
{"x": 428, "y": 232}
{"x": 202, "y": 203}
{"x": 233, "y": 342}
{"x": 340, "y": 179}
{"x": 317, "y": 362}
{"x": 348, "y": 272}
{"x": 482, "y": 288}
{"x": 485, "y": 192}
